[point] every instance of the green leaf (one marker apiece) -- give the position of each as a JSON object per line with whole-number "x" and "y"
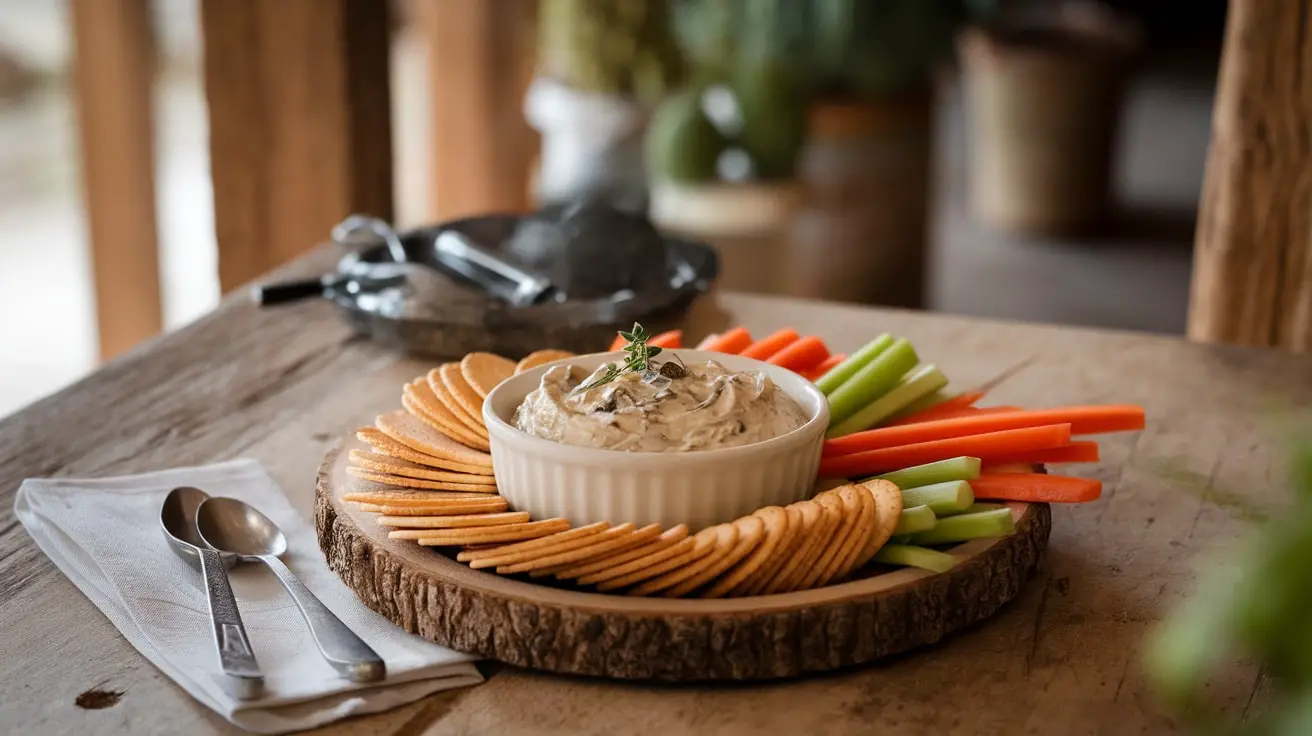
{"x": 653, "y": 352}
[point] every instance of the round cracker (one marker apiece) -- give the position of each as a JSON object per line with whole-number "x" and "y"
{"x": 541, "y": 357}
{"x": 461, "y": 391}
{"x": 418, "y": 398}
{"x": 888, "y": 509}
{"x": 751, "y": 530}
{"x": 736, "y": 579}
{"x": 859, "y": 538}
{"x": 417, "y": 435}
{"x": 723, "y": 538}
{"x": 667, "y": 539}
{"x": 501, "y": 533}
{"x": 832, "y": 542}
{"x": 364, "y": 491}
{"x": 382, "y": 444}
{"x": 811, "y": 516}
{"x": 396, "y": 466}
{"x": 680, "y": 553}
{"x": 601, "y": 550}
{"x": 457, "y": 410}
{"x": 453, "y": 521}
{"x": 554, "y": 544}
{"x": 818, "y": 539}
{"x": 619, "y": 537}
{"x": 782, "y": 553}
{"x": 449, "y": 508}
{"x": 562, "y": 535}
{"x": 483, "y": 371}
{"x": 401, "y": 481}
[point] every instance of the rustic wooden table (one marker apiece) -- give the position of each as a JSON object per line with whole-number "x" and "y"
{"x": 282, "y": 385}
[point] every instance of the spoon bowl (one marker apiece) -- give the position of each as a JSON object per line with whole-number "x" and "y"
{"x": 239, "y": 529}
{"x": 177, "y": 517}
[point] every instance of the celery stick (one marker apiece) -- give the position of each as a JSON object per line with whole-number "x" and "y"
{"x": 952, "y": 497}
{"x": 951, "y": 529}
{"x": 843, "y": 371}
{"x": 975, "y": 508}
{"x": 872, "y": 381}
{"x": 929, "y": 559}
{"x": 942, "y": 471}
{"x": 915, "y": 519}
{"x": 911, "y": 387}
{"x": 923, "y": 403}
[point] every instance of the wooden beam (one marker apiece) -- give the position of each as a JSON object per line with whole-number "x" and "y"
{"x": 115, "y": 70}
{"x": 1252, "y": 282}
{"x": 300, "y": 124}
{"x": 480, "y": 63}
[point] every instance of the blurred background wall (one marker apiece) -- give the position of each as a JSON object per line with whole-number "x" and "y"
{"x": 1133, "y": 273}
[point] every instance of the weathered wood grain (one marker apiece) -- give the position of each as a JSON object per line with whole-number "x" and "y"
{"x": 282, "y": 384}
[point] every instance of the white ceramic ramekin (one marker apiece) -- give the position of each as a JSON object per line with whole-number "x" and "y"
{"x": 586, "y": 485}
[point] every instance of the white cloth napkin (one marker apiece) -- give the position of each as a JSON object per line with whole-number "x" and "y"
{"x": 105, "y": 535}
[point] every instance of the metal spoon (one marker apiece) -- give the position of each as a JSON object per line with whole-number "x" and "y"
{"x": 232, "y": 526}
{"x": 178, "y": 519}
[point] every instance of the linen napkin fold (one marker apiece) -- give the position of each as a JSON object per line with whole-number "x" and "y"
{"x": 105, "y": 535}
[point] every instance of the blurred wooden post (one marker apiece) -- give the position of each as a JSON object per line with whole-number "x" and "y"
{"x": 480, "y": 55}
{"x": 300, "y": 124}
{"x": 1252, "y": 282}
{"x": 115, "y": 70}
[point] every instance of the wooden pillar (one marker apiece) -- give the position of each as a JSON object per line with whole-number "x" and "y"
{"x": 480, "y": 55}
{"x": 1252, "y": 282}
{"x": 300, "y": 124}
{"x": 115, "y": 71}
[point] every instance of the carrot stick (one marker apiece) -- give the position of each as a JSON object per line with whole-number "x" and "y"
{"x": 802, "y": 355}
{"x": 1036, "y": 488}
{"x": 824, "y": 367}
{"x": 732, "y": 342}
{"x": 1006, "y": 443}
{"x": 1083, "y": 420}
{"x": 672, "y": 339}
{"x": 618, "y": 343}
{"x": 956, "y": 403}
{"x": 1076, "y": 452}
{"x": 766, "y": 347}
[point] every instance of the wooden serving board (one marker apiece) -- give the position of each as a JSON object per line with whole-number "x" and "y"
{"x": 572, "y": 631}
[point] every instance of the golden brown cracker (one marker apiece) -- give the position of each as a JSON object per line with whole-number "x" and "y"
{"x": 667, "y": 538}
{"x": 888, "y": 509}
{"x": 833, "y": 542}
{"x": 483, "y": 371}
{"x": 541, "y": 357}
{"x": 600, "y": 549}
{"x": 723, "y": 538}
{"x": 417, "y": 435}
{"x": 460, "y": 390}
{"x": 618, "y": 537}
{"x": 396, "y": 466}
{"x": 560, "y": 536}
{"x": 440, "y": 418}
{"x": 501, "y": 533}
{"x": 451, "y": 521}
{"x": 751, "y": 531}
{"x": 457, "y": 410}
{"x": 782, "y": 553}
{"x": 549, "y": 546}
{"x": 820, "y": 535}
{"x": 811, "y": 517}
{"x": 735, "y": 579}
{"x": 382, "y": 444}
{"x": 365, "y": 491}
{"x": 372, "y": 508}
{"x": 682, "y": 552}
{"x": 400, "y": 481}
{"x": 858, "y": 538}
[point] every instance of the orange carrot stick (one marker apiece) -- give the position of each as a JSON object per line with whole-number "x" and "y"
{"x": 766, "y": 347}
{"x": 1007, "y": 443}
{"x": 1084, "y": 451}
{"x": 824, "y": 367}
{"x": 802, "y": 355}
{"x": 956, "y": 403}
{"x": 1035, "y": 488}
{"x": 732, "y": 342}
{"x": 671, "y": 339}
{"x": 618, "y": 343}
{"x": 1083, "y": 420}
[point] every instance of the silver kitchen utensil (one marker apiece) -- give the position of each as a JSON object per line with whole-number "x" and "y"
{"x": 178, "y": 519}
{"x": 229, "y": 525}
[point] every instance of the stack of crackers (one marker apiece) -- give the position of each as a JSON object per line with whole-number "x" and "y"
{"x": 429, "y": 477}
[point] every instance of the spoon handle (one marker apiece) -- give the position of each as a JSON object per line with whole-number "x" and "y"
{"x": 347, "y": 653}
{"x": 235, "y": 654}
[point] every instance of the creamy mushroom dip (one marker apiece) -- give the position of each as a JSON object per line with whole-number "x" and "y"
{"x": 675, "y": 409}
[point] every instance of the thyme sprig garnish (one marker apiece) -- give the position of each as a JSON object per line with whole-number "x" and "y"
{"x": 638, "y": 361}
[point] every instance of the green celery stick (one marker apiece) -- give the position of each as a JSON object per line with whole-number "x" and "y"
{"x": 872, "y": 381}
{"x": 915, "y": 519}
{"x": 929, "y": 559}
{"x": 975, "y": 508}
{"x": 911, "y": 387}
{"x": 967, "y": 526}
{"x": 924, "y": 402}
{"x": 952, "y": 497}
{"x": 843, "y": 371}
{"x": 942, "y": 471}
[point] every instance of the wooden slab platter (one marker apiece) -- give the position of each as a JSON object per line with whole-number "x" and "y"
{"x": 559, "y": 629}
